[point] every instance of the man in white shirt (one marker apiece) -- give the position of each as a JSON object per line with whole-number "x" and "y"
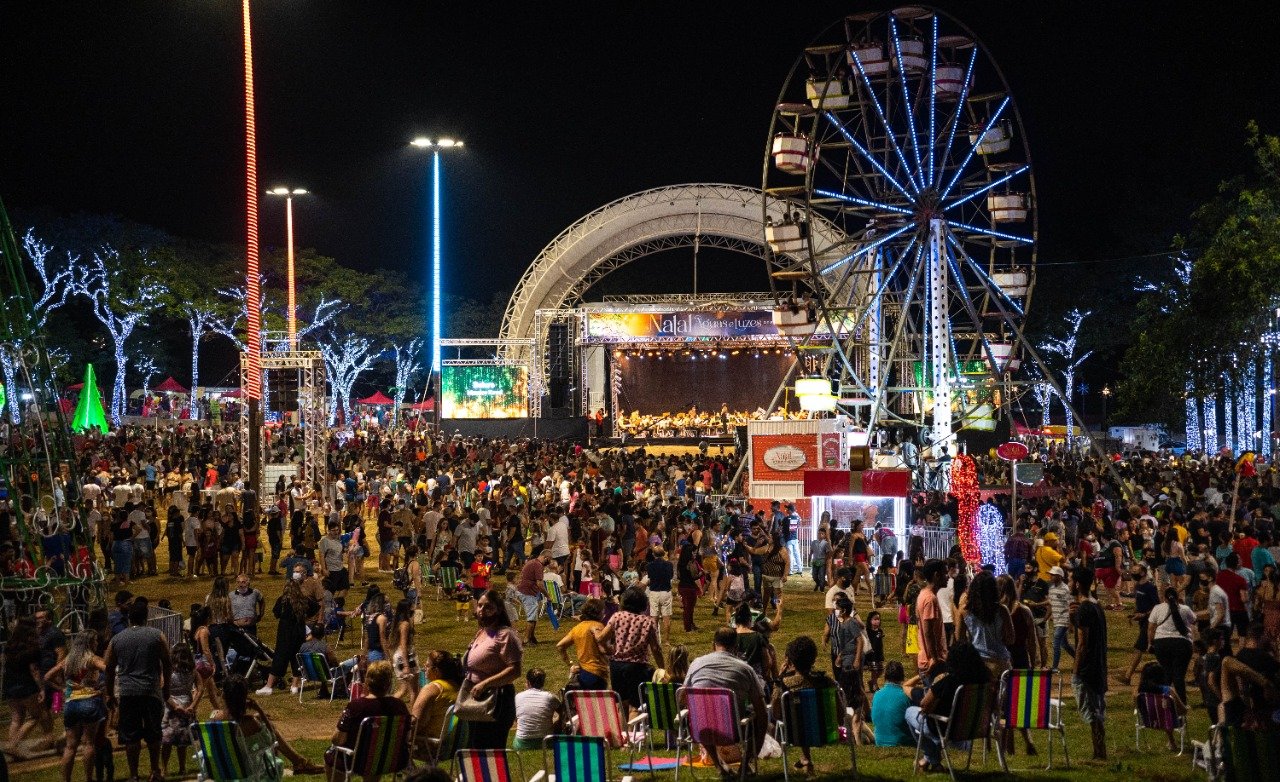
{"x": 844, "y": 583}
{"x": 190, "y": 530}
{"x": 91, "y": 492}
{"x": 537, "y": 711}
{"x": 558, "y": 534}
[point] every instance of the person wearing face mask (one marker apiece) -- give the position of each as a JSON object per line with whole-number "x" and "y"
{"x": 1145, "y": 598}
{"x": 247, "y": 606}
{"x": 292, "y": 609}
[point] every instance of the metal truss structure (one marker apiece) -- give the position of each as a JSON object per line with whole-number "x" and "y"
{"x": 312, "y": 389}
{"x": 619, "y": 232}
{"x": 703, "y": 301}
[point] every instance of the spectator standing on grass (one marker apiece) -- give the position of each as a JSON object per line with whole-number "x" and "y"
{"x": 493, "y": 663}
{"x": 1171, "y": 630}
{"x": 137, "y": 671}
{"x": 932, "y": 636}
{"x": 634, "y": 636}
{"x": 1089, "y": 680}
{"x": 584, "y": 637}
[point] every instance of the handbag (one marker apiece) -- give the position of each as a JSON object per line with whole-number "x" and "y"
{"x": 469, "y": 708}
{"x": 913, "y": 639}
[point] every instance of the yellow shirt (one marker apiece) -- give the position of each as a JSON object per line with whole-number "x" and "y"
{"x": 432, "y": 722}
{"x": 587, "y": 650}
{"x": 1181, "y": 532}
{"x": 1047, "y": 557}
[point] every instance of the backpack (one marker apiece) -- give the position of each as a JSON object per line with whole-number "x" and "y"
{"x": 400, "y": 578}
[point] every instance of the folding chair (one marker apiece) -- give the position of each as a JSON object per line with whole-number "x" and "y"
{"x": 575, "y": 759}
{"x": 453, "y": 736}
{"x": 315, "y": 667}
{"x": 811, "y": 717}
{"x": 1030, "y": 703}
{"x": 555, "y": 599}
{"x": 446, "y": 580}
{"x": 222, "y": 755}
{"x": 659, "y": 710}
{"x": 969, "y": 719}
{"x": 1156, "y": 712}
{"x": 714, "y": 722}
{"x": 381, "y": 748}
{"x": 486, "y": 765}
{"x": 598, "y": 713}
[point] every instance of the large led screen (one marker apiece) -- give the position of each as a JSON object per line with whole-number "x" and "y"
{"x": 487, "y": 391}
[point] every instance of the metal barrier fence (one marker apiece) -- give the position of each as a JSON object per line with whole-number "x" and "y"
{"x": 937, "y": 541}
{"x": 167, "y": 622}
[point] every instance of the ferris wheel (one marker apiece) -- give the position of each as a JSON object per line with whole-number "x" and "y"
{"x": 899, "y": 129}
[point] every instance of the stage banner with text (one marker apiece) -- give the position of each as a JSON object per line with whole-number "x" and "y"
{"x": 485, "y": 391}
{"x": 682, "y": 326}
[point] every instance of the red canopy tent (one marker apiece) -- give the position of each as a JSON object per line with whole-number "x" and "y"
{"x": 170, "y": 386}
{"x": 378, "y": 398}
{"x": 424, "y": 406}
{"x": 233, "y": 393}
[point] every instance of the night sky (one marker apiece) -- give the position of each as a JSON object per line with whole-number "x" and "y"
{"x": 1135, "y": 112}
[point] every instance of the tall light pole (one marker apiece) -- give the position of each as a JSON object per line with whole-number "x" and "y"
{"x": 1106, "y": 397}
{"x": 436, "y": 146}
{"x": 288, "y": 195}
{"x": 253, "y": 324}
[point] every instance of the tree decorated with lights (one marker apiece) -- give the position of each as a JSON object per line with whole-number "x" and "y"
{"x": 407, "y": 364}
{"x": 964, "y": 485}
{"x": 346, "y": 357}
{"x": 991, "y": 537}
{"x": 52, "y": 294}
{"x": 1065, "y": 348}
{"x": 123, "y": 290}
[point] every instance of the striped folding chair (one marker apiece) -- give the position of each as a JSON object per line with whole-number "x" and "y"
{"x": 1157, "y": 712}
{"x": 486, "y": 765}
{"x": 598, "y": 713}
{"x": 381, "y": 748}
{"x": 575, "y": 759}
{"x": 1030, "y": 703}
{"x": 446, "y": 580}
{"x": 659, "y": 711}
{"x": 453, "y": 737}
{"x": 315, "y": 667}
{"x": 811, "y": 717}
{"x": 969, "y": 719}
{"x": 714, "y": 722}
{"x": 223, "y": 756}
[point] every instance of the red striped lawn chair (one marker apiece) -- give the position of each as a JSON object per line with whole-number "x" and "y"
{"x": 598, "y": 713}
{"x": 1157, "y": 712}
{"x": 1031, "y": 703}
{"x": 486, "y": 765}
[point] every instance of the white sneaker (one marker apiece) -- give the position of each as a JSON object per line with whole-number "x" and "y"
{"x": 264, "y": 691}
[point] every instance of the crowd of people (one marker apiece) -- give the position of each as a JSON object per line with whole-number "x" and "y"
{"x": 612, "y": 542}
{"x": 691, "y": 423}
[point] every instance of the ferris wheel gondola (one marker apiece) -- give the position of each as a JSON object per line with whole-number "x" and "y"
{"x": 900, "y": 129}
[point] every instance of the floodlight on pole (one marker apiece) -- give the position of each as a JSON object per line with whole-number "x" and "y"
{"x": 289, "y": 194}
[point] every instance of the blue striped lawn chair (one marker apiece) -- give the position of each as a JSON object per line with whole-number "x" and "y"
{"x": 575, "y": 759}
{"x": 315, "y": 667}
{"x": 222, "y": 755}
{"x": 811, "y": 717}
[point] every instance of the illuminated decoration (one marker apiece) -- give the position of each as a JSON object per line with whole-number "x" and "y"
{"x": 1228, "y": 418}
{"x": 815, "y": 394}
{"x": 406, "y": 359}
{"x": 1194, "y": 431}
{"x": 121, "y": 299}
{"x": 436, "y": 333}
{"x": 201, "y": 319}
{"x": 964, "y": 484}
{"x": 253, "y": 289}
{"x": 89, "y": 413}
{"x": 54, "y": 290}
{"x": 1065, "y": 349}
{"x": 1210, "y": 424}
{"x": 345, "y": 359}
{"x": 1267, "y": 393}
{"x": 991, "y": 537}
{"x": 484, "y": 390}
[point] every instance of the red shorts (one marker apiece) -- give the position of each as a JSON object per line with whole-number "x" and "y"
{"x": 860, "y": 558}
{"x": 1109, "y": 577}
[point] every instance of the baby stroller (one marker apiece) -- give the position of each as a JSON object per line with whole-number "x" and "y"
{"x": 247, "y": 655}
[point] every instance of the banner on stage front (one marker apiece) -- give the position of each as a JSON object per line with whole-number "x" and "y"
{"x": 682, "y": 326}
{"x": 484, "y": 391}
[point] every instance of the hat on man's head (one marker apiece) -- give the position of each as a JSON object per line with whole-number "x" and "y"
{"x": 1057, "y": 571}
{"x": 1050, "y": 537}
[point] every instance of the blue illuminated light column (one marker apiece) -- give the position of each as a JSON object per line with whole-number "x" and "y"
{"x": 436, "y": 146}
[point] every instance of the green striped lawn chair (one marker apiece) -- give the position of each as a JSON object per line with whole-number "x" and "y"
{"x": 575, "y": 759}
{"x": 222, "y": 755}
{"x": 453, "y": 737}
{"x": 446, "y": 580}
{"x": 659, "y": 710}
{"x": 811, "y": 717}
{"x": 381, "y": 748}
{"x": 970, "y": 719}
{"x": 1030, "y": 702}
{"x": 315, "y": 667}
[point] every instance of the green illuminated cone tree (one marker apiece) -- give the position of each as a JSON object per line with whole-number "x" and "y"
{"x": 89, "y": 412}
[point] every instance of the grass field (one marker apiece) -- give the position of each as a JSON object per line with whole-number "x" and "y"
{"x": 310, "y": 724}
